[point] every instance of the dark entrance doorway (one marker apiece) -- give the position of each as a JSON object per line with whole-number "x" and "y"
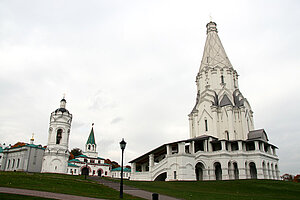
{"x": 236, "y": 171}
{"x": 85, "y": 171}
{"x": 253, "y": 172}
{"x": 99, "y": 173}
{"x": 218, "y": 171}
{"x": 199, "y": 171}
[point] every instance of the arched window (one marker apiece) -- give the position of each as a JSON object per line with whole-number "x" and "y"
{"x": 222, "y": 79}
{"x": 58, "y": 136}
{"x": 8, "y": 164}
{"x": 18, "y": 163}
{"x": 89, "y": 147}
{"x": 13, "y": 164}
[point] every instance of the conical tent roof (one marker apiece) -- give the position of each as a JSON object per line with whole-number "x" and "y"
{"x": 214, "y": 53}
{"x": 91, "y": 139}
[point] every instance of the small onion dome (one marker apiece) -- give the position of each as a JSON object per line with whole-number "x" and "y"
{"x": 61, "y": 110}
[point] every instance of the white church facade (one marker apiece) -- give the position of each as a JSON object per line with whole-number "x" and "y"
{"x": 89, "y": 163}
{"x": 223, "y": 142}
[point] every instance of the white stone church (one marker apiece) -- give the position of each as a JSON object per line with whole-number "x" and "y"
{"x": 56, "y": 155}
{"x": 223, "y": 142}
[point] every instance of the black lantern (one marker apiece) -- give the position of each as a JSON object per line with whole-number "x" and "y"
{"x": 122, "y": 146}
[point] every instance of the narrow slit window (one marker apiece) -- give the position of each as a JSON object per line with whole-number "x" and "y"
{"x": 222, "y": 79}
{"x": 206, "y": 125}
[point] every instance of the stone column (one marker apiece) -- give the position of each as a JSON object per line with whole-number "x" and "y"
{"x": 133, "y": 166}
{"x": 229, "y": 146}
{"x": 168, "y": 150}
{"x": 269, "y": 149}
{"x": 223, "y": 145}
{"x": 256, "y": 144}
{"x": 205, "y": 145}
{"x": 261, "y": 146}
{"x": 244, "y": 124}
{"x": 242, "y": 170}
{"x": 260, "y": 171}
{"x": 192, "y": 147}
{"x": 240, "y": 144}
{"x": 209, "y": 145}
{"x": 151, "y": 161}
{"x": 225, "y": 175}
{"x": 205, "y": 174}
{"x": 230, "y": 121}
{"x": 181, "y": 148}
{"x": 215, "y": 120}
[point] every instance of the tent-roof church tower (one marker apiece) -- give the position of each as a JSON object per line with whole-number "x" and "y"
{"x": 220, "y": 110}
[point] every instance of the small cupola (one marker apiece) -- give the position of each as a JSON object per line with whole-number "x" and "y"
{"x": 211, "y": 26}
{"x": 63, "y": 103}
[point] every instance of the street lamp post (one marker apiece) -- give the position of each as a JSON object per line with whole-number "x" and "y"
{"x": 122, "y": 145}
{"x": 86, "y": 169}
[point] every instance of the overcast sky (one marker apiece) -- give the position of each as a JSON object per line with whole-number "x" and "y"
{"x": 130, "y": 68}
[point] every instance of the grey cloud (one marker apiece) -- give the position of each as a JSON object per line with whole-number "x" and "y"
{"x": 116, "y": 120}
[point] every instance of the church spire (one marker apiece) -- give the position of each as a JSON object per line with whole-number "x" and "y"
{"x": 214, "y": 53}
{"x": 91, "y": 139}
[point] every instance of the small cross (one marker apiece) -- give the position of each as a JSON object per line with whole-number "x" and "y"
{"x": 210, "y": 17}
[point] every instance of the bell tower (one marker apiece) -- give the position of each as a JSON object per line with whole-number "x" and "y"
{"x": 56, "y": 154}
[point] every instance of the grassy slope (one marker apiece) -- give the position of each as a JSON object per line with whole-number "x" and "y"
{"x": 58, "y": 183}
{"x": 239, "y": 189}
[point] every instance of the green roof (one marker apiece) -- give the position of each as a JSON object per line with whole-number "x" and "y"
{"x": 1, "y": 149}
{"x": 81, "y": 156}
{"x": 91, "y": 139}
{"x": 74, "y": 160}
{"x": 72, "y": 165}
{"x": 26, "y": 145}
{"x": 119, "y": 169}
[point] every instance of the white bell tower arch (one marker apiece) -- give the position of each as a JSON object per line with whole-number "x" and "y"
{"x": 57, "y": 154}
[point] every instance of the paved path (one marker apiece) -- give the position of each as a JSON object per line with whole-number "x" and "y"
{"x": 130, "y": 190}
{"x": 49, "y": 195}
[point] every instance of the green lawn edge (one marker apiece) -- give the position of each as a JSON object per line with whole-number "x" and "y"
{"x": 59, "y": 183}
{"x": 220, "y": 190}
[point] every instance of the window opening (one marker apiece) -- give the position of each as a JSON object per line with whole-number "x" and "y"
{"x": 206, "y": 125}
{"x": 58, "y": 136}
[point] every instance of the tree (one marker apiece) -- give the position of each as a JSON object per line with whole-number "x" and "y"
{"x": 114, "y": 164}
{"x": 76, "y": 152}
{"x": 71, "y": 156}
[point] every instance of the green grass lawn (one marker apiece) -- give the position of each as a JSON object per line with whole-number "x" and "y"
{"x": 58, "y": 183}
{"x": 238, "y": 189}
